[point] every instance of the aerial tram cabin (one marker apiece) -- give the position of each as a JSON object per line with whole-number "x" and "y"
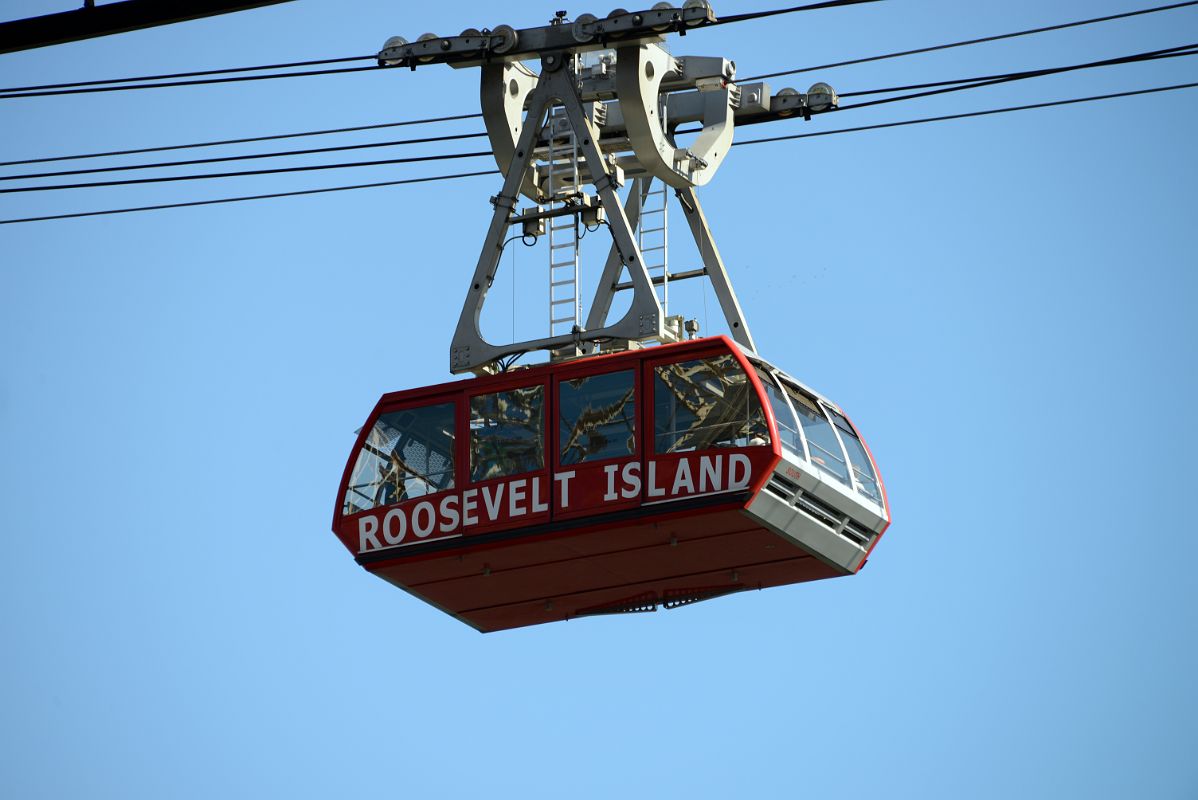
{"x": 609, "y": 484}
{"x": 618, "y": 477}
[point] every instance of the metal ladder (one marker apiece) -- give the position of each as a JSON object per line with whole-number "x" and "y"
{"x": 565, "y": 311}
{"x": 653, "y": 238}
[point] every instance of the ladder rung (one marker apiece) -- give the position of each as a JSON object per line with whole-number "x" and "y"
{"x": 560, "y": 246}
{"x": 569, "y": 282}
{"x": 558, "y": 264}
{"x": 648, "y": 211}
{"x": 562, "y": 301}
{"x": 559, "y": 320}
{"x": 651, "y": 249}
{"x": 652, "y": 230}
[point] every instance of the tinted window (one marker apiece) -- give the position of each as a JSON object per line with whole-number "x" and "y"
{"x": 598, "y": 417}
{"x": 705, "y": 403}
{"x": 823, "y": 447}
{"x": 788, "y": 427}
{"x": 407, "y": 454}
{"x": 863, "y": 470}
{"x": 507, "y": 433}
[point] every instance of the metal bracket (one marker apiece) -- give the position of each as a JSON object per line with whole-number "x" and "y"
{"x": 640, "y": 71}
{"x": 469, "y": 351}
{"x": 713, "y": 265}
{"x": 623, "y": 113}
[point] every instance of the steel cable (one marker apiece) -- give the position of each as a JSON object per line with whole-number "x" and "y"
{"x": 878, "y": 126}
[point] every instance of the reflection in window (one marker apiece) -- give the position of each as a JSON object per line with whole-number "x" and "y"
{"x": 705, "y": 403}
{"x": 407, "y": 454}
{"x": 822, "y": 443}
{"x": 863, "y": 470}
{"x": 507, "y": 433}
{"x": 788, "y": 427}
{"x": 597, "y": 417}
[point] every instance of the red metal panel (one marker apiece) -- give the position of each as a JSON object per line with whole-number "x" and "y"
{"x": 554, "y": 579}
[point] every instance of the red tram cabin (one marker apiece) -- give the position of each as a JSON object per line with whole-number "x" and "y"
{"x": 609, "y": 484}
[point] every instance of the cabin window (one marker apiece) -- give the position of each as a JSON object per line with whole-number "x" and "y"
{"x": 507, "y": 433}
{"x": 823, "y": 446}
{"x": 597, "y": 417}
{"x": 788, "y": 426}
{"x": 859, "y": 461}
{"x": 407, "y": 454}
{"x": 706, "y": 403}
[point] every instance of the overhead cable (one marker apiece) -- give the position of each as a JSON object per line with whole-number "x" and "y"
{"x": 161, "y": 81}
{"x": 196, "y": 82}
{"x": 271, "y": 196}
{"x": 879, "y": 126}
{"x": 198, "y": 74}
{"x": 245, "y": 140}
{"x": 966, "y": 42}
{"x": 957, "y": 85}
{"x": 244, "y": 173}
{"x": 215, "y": 160}
{"x": 1172, "y": 52}
{"x": 775, "y": 12}
{"x": 203, "y": 77}
{"x": 968, "y": 114}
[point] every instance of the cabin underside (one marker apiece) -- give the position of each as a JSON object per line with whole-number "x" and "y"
{"x": 624, "y": 566}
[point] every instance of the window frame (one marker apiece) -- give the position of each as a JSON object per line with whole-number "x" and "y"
{"x": 858, "y": 486}
{"x": 821, "y": 406}
{"x": 778, "y": 383}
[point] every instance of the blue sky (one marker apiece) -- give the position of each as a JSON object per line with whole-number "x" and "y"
{"x": 1004, "y": 305}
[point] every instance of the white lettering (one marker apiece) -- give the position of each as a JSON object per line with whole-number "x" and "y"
{"x": 449, "y": 516}
{"x": 632, "y": 480}
{"x": 743, "y": 481}
{"x": 469, "y": 503}
{"x": 611, "y": 470}
{"x": 537, "y": 505}
{"x": 368, "y": 528}
{"x": 654, "y": 489}
{"x": 396, "y": 538}
{"x": 492, "y": 501}
{"x": 423, "y": 530}
{"x": 683, "y": 479}
{"x": 515, "y": 498}
{"x": 709, "y": 470}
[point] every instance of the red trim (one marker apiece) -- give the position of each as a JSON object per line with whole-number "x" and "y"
{"x": 768, "y": 409}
